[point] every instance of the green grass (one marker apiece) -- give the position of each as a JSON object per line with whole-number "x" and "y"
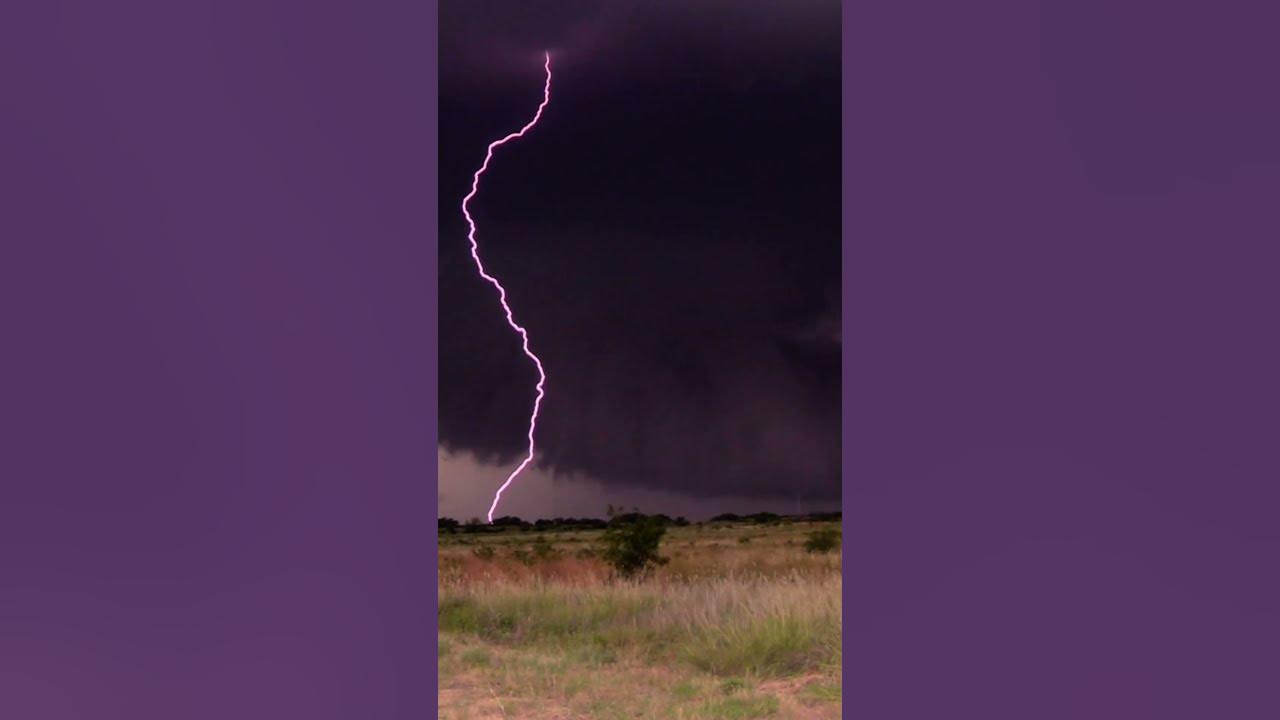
{"x": 770, "y": 646}
{"x": 726, "y": 630}
{"x": 685, "y": 690}
{"x": 821, "y": 692}
{"x": 732, "y": 685}
{"x": 477, "y": 657}
{"x": 594, "y": 653}
{"x": 540, "y": 616}
{"x": 731, "y": 629}
{"x": 734, "y": 708}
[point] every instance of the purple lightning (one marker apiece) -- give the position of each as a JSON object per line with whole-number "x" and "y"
{"x": 502, "y": 292}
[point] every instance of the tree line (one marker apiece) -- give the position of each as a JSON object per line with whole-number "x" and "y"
{"x": 617, "y": 518}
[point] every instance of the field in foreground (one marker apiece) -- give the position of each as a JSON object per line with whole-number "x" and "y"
{"x": 741, "y": 623}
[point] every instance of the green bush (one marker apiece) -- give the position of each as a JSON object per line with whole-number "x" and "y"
{"x": 823, "y": 541}
{"x": 484, "y": 552}
{"x": 632, "y": 547}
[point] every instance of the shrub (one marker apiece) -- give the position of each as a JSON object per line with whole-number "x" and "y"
{"x": 484, "y": 552}
{"x": 823, "y": 541}
{"x": 632, "y": 547}
{"x": 544, "y": 550}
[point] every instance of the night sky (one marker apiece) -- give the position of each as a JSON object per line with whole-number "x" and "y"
{"x": 669, "y": 234}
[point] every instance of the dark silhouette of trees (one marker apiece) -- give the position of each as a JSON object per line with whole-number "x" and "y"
{"x": 617, "y": 517}
{"x": 509, "y": 521}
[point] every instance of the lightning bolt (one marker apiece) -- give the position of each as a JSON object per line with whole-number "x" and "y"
{"x": 502, "y": 292}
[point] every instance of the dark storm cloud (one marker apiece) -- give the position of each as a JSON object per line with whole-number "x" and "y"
{"x": 485, "y": 41}
{"x": 669, "y": 234}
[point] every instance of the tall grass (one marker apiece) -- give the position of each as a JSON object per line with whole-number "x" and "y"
{"x": 763, "y": 624}
{"x": 769, "y": 627}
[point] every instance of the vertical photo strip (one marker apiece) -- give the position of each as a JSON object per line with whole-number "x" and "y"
{"x": 639, "y": 360}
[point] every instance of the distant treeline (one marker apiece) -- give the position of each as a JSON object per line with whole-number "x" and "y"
{"x": 475, "y": 525}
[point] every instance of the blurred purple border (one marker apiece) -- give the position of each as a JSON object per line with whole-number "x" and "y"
{"x": 1061, "y": 386}
{"x": 217, "y": 291}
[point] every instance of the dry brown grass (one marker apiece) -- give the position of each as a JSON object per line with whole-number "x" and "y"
{"x": 727, "y": 629}
{"x": 695, "y": 553}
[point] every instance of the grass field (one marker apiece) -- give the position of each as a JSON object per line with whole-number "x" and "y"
{"x": 741, "y": 622}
